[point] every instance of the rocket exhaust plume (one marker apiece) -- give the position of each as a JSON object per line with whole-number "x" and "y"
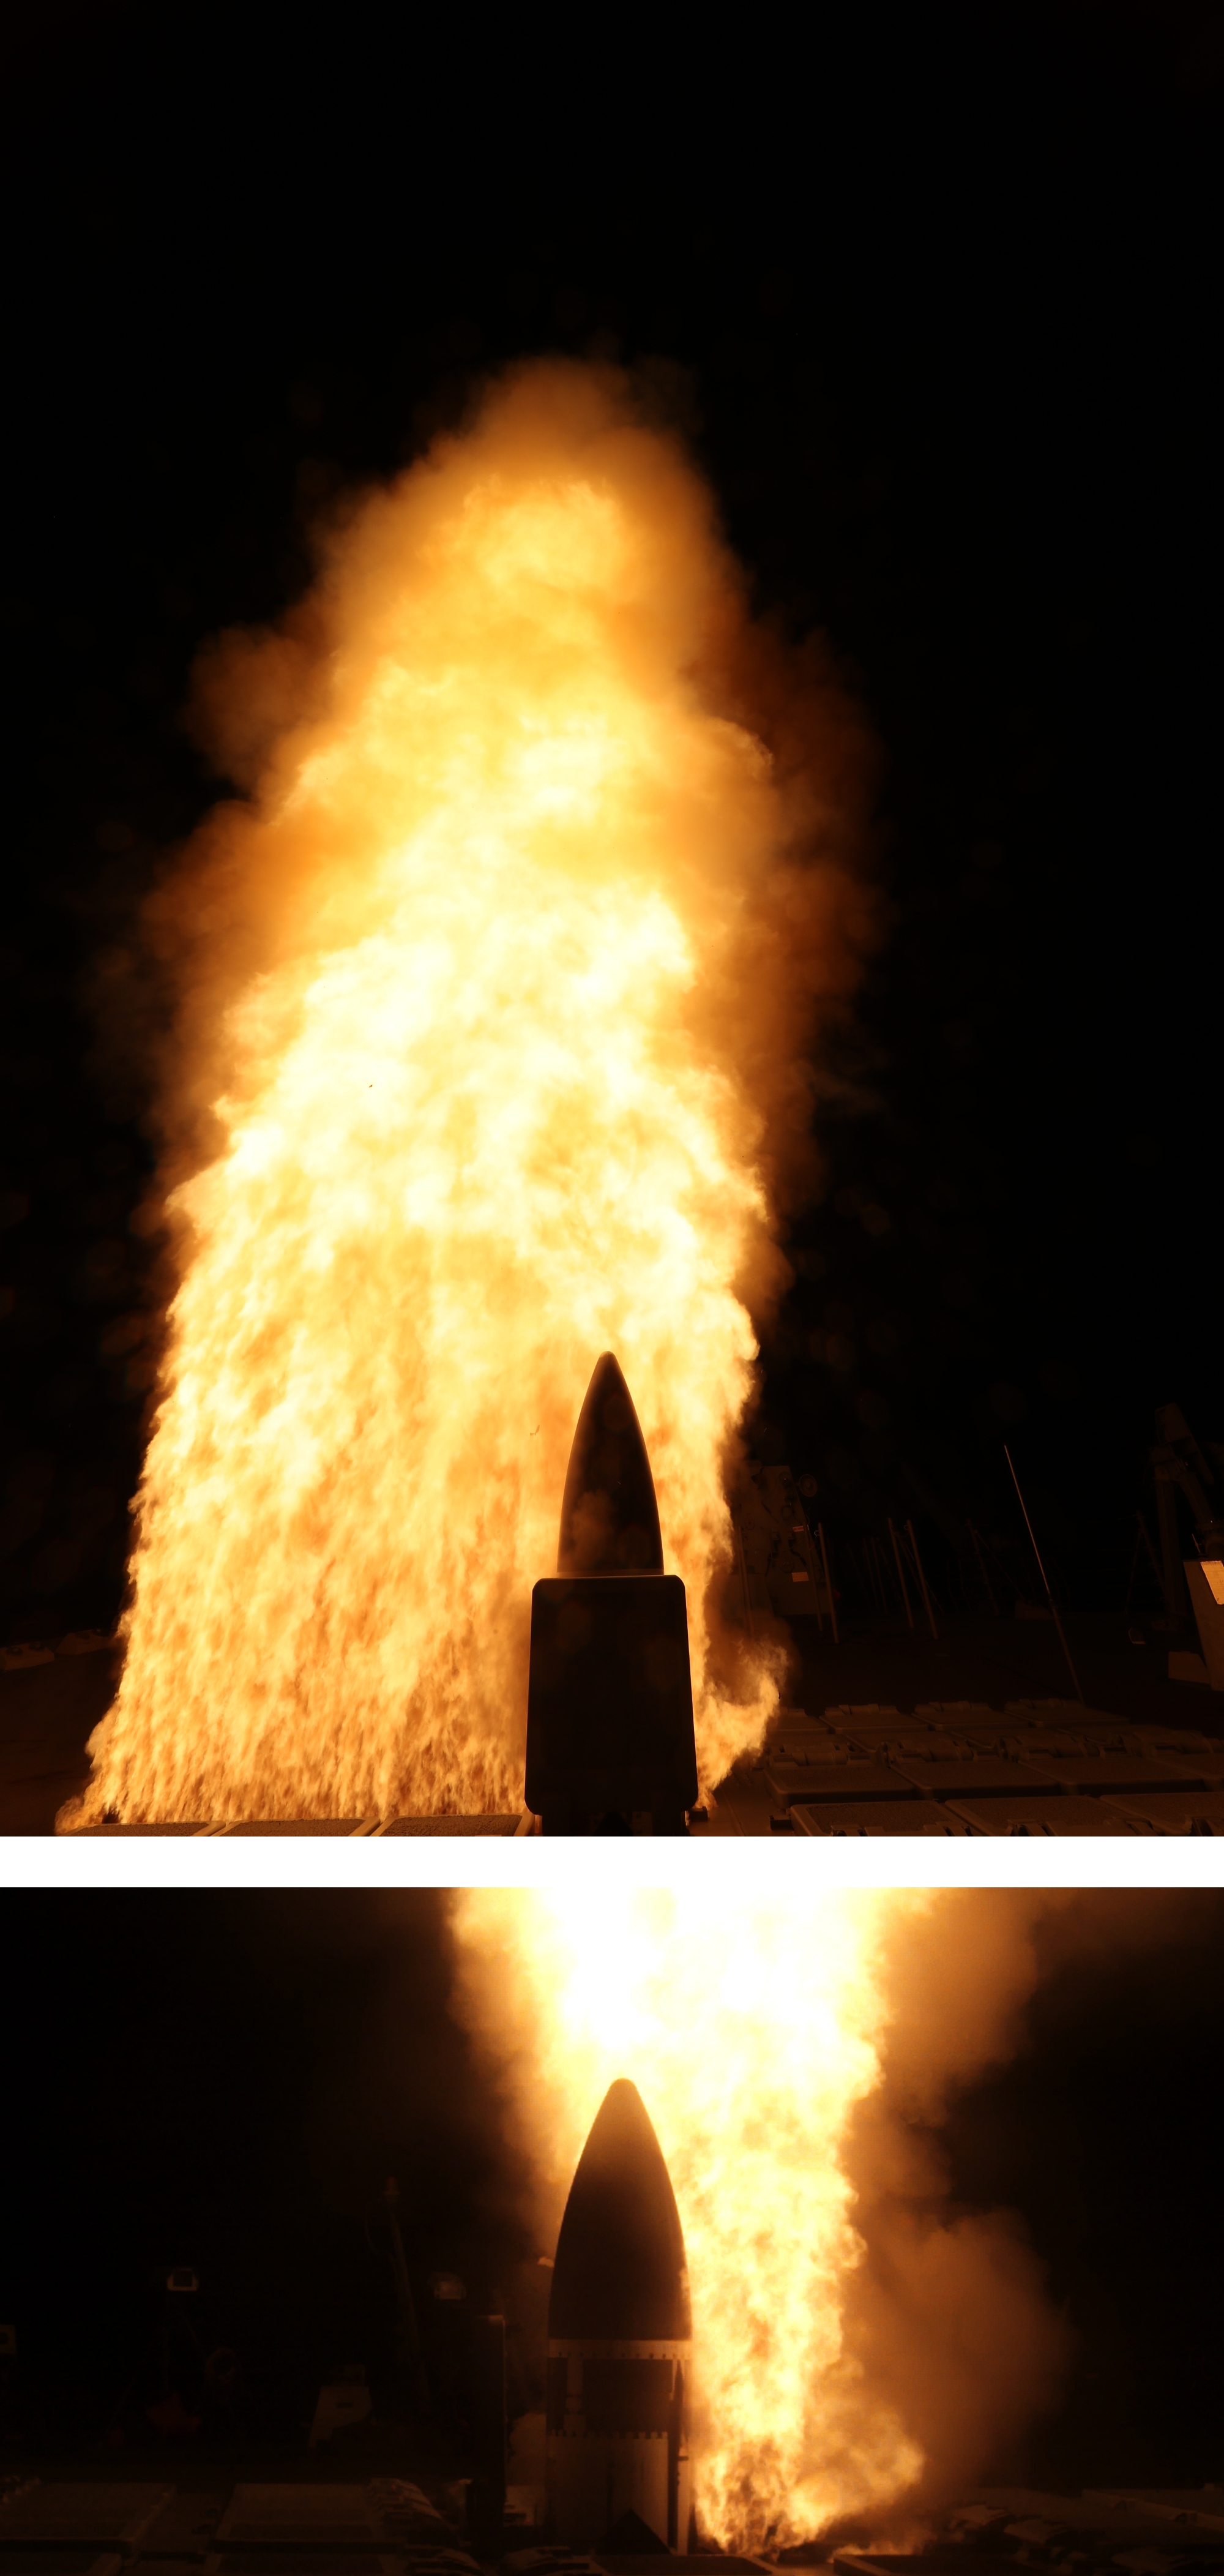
{"x": 619, "y": 2339}
{"x": 497, "y": 988}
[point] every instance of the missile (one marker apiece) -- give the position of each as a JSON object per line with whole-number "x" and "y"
{"x": 609, "y": 1695}
{"x": 619, "y": 2339}
{"x": 609, "y": 1515}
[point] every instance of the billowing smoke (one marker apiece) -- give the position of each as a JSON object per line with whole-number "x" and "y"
{"x": 498, "y": 995}
{"x": 947, "y": 2314}
{"x": 860, "y": 2346}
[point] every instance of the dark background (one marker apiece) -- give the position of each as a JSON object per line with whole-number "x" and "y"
{"x": 225, "y": 2079}
{"x": 231, "y": 2090}
{"x": 934, "y": 291}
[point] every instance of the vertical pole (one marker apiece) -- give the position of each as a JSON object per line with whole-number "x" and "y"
{"x": 900, "y": 1572}
{"x": 824, "y": 1558}
{"x": 923, "y": 1581}
{"x": 977, "y": 1550}
{"x": 486, "y": 2496}
{"x": 1045, "y": 1578}
{"x": 407, "y": 2305}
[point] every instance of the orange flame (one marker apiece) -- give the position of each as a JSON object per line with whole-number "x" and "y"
{"x": 752, "y": 2031}
{"x": 496, "y": 996}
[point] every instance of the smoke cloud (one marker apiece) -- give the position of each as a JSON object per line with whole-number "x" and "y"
{"x": 948, "y": 2314}
{"x": 497, "y": 999}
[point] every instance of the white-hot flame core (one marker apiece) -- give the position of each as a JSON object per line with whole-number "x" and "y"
{"x": 495, "y": 997}
{"x": 752, "y": 2029}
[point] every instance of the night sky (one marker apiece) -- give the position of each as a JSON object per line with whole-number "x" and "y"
{"x": 934, "y": 293}
{"x": 226, "y": 2079}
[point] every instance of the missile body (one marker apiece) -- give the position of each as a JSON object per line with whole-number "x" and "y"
{"x": 609, "y": 1697}
{"x": 609, "y": 1515}
{"x": 619, "y": 2339}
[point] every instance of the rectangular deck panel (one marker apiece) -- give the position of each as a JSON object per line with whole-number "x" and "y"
{"x": 1057, "y": 1814}
{"x": 877, "y": 1816}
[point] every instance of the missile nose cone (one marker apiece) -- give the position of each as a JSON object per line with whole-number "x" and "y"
{"x": 620, "y": 2273}
{"x": 609, "y": 1516}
